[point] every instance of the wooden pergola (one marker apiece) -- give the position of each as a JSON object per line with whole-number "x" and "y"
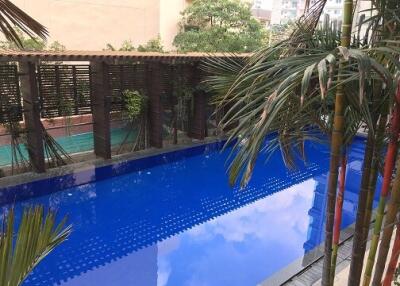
{"x": 109, "y": 56}
{"x": 100, "y": 62}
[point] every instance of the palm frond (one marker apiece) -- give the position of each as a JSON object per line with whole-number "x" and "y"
{"x": 308, "y": 22}
{"x": 37, "y": 236}
{"x": 289, "y": 94}
{"x": 13, "y": 18}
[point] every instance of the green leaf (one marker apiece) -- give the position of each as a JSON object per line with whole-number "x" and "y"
{"x": 305, "y": 83}
{"x": 37, "y": 236}
{"x": 323, "y": 77}
{"x": 344, "y": 52}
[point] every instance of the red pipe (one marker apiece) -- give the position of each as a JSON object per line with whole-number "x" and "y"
{"x": 339, "y": 201}
{"x": 392, "y": 146}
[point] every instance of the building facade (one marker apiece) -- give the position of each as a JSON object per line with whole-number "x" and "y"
{"x": 334, "y": 9}
{"x": 91, "y": 24}
{"x": 284, "y": 11}
{"x": 261, "y": 10}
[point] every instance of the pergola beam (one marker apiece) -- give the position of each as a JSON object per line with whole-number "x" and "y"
{"x": 110, "y": 56}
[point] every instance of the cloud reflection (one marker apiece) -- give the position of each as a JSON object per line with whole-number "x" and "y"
{"x": 248, "y": 236}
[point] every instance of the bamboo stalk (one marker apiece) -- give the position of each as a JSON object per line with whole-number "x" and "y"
{"x": 393, "y": 259}
{"x": 336, "y": 146}
{"x": 374, "y": 173}
{"x": 368, "y": 185}
{"x": 390, "y": 218}
{"x": 357, "y": 255}
{"x": 371, "y": 193}
{"x": 338, "y": 214}
{"x": 387, "y": 176}
{"x": 367, "y": 190}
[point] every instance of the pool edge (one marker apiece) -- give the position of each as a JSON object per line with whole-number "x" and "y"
{"x": 30, "y": 185}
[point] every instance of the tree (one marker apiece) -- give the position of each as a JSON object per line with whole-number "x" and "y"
{"x": 31, "y": 43}
{"x": 152, "y": 45}
{"x": 57, "y": 47}
{"x": 38, "y": 234}
{"x": 313, "y": 79}
{"x": 127, "y": 46}
{"x": 27, "y": 43}
{"x": 219, "y": 26}
{"x": 336, "y": 142}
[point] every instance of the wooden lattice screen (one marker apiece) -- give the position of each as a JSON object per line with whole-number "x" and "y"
{"x": 123, "y": 77}
{"x": 167, "y": 86}
{"x": 10, "y": 97}
{"x": 64, "y": 90}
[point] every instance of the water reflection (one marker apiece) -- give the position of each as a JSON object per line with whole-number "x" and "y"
{"x": 316, "y": 229}
{"x": 181, "y": 224}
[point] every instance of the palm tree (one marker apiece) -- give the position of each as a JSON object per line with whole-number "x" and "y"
{"x": 336, "y": 142}
{"x": 37, "y": 236}
{"x": 390, "y": 218}
{"x": 387, "y": 178}
{"x": 368, "y": 182}
{"x": 375, "y": 166}
{"x": 308, "y": 80}
{"x": 394, "y": 258}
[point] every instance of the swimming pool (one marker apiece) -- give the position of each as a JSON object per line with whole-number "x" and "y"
{"x": 172, "y": 219}
{"x": 77, "y": 143}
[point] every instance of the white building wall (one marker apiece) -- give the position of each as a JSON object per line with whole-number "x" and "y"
{"x": 334, "y": 9}
{"x": 170, "y": 14}
{"x": 91, "y": 24}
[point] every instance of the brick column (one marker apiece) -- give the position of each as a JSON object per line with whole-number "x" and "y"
{"x": 101, "y": 96}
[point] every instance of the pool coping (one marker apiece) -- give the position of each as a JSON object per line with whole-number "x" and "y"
{"x": 21, "y": 181}
{"x": 18, "y": 179}
{"x": 288, "y": 274}
{"x": 293, "y": 274}
{"x": 20, "y": 185}
{"x": 296, "y": 268}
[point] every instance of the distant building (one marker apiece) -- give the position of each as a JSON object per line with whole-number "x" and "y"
{"x": 91, "y": 24}
{"x": 284, "y": 11}
{"x": 290, "y": 10}
{"x": 334, "y": 9}
{"x": 262, "y": 15}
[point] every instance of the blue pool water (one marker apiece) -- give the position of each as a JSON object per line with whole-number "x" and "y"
{"x": 82, "y": 142}
{"x": 179, "y": 222}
